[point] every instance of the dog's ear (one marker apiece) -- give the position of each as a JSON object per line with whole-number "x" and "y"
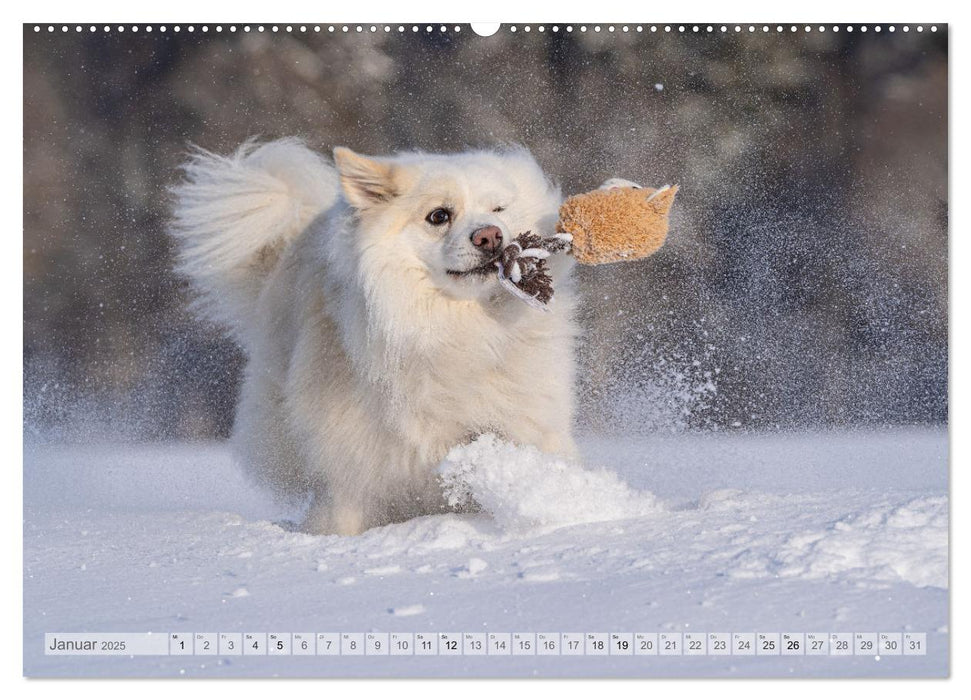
{"x": 366, "y": 181}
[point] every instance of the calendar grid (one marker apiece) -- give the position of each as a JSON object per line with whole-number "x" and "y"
{"x": 387, "y": 644}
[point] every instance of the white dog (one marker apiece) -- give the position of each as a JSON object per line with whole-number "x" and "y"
{"x": 377, "y": 334}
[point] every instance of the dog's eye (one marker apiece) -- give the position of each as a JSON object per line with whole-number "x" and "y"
{"x": 498, "y": 209}
{"x": 439, "y": 217}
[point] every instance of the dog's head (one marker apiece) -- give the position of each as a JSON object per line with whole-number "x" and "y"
{"x": 447, "y": 217}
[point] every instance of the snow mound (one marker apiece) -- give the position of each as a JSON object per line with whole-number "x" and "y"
{"x": 420, "y": 536}
{"x": 524, "y": 489}
{"x": 889, "y": 543}
{"x": 903, "y": 543}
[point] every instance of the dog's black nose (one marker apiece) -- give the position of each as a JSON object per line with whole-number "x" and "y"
{"x": 488, "y": 238}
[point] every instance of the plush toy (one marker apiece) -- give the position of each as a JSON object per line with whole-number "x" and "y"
{"x": 620, "y": 221}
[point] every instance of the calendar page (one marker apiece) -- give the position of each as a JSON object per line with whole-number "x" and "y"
{"x": 520, "y": 350}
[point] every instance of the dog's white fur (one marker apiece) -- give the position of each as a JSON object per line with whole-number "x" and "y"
{"x": 368, "y": 361}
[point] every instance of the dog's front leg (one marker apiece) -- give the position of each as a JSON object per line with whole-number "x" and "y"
{"x": 334, "y": 516}
{"x": 559, "y": 444}
{"x": 348, "y": 519}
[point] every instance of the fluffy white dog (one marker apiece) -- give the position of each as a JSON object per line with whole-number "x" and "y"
{"x": 376, "y": 332}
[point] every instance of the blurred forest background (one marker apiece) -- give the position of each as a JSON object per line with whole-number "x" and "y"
{"x": 804, "y": 283}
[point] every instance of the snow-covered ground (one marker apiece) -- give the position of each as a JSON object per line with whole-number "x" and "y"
{"x": 826, "y": 532}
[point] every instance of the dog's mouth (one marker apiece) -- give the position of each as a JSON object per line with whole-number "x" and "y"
{"x": 489, "y": 266}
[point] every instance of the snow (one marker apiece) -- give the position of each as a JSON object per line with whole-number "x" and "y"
{"x": 408, "y": 610}
{"x": 524, "y": 490}
{"x": 811, "y": 532}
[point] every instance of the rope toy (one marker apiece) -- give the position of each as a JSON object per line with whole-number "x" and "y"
{"x": 619, "y": 222}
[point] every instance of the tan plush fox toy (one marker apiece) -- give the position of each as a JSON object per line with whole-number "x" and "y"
{"x": 619, "y": 222}
{"x": 616, "y": 224}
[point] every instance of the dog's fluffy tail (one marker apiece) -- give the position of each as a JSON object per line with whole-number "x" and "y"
{"x": 234, "y": 215}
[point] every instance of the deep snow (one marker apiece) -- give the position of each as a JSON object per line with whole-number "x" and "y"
{"x": 825, "y": 532}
